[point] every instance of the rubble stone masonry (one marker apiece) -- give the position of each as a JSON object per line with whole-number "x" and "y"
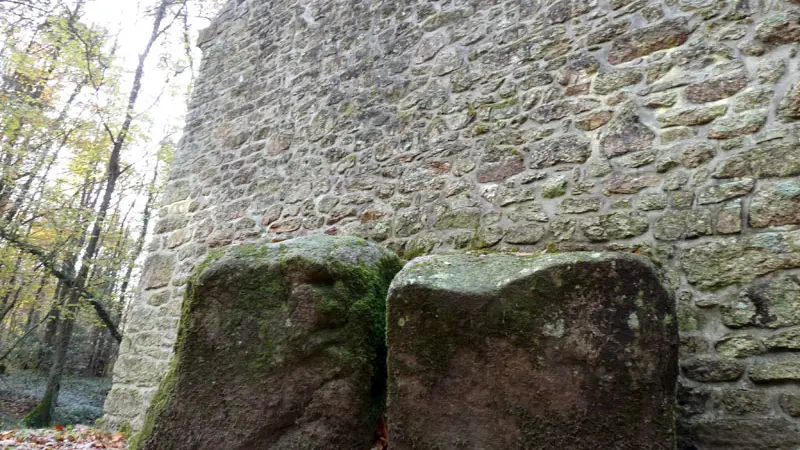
{"x": 667, "y": 128}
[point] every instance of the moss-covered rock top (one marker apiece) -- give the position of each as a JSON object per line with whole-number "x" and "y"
{"x": 479, "y": 274}
{"x": 319, "y": 249}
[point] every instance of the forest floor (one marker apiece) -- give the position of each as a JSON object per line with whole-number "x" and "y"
{"x": 80, "y": 401}
{"x": 80, "y": 404}
{"x": 80, "y": 437}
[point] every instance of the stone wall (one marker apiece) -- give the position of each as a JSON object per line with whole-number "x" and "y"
{"x": 663, "y": 128}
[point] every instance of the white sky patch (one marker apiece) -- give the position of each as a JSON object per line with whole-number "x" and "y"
{"x": 160, "y": 109}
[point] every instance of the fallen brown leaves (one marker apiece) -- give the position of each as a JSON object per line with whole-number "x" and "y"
{"x": 382, "y": 431}
{"x": 60, "y": 438}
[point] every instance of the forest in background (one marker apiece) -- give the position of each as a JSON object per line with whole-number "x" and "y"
{"x": 83, "y": 158}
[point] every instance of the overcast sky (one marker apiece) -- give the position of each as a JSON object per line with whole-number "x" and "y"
{"x": 129, "y": 21}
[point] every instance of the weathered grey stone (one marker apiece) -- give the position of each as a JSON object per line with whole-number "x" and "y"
{"x": 790, "y": 403}
{"x": 643, "y": 41}
{"x": 653, "y": 201}
{"x": 630, "y": 183}
{"x": 697, "y": 154}
{"x": 562, "y": 229}
{"x": 120, "y": 399}
{"x": 729, "y": 218}
{"x": 528, "y": 211}
{"x": 579, "y": 65}
{"x": 784, "y": 340}
{"x": 625, "y": 134}
{"x": 570, "y": 148}
{"x": 674, "y": 225}
{"x": 598, "y": 168}
{"x": 776, "y": 203}
{"x": 768, "y": 303}
{"x": 742, "y": 402}
{"x": 766, "y": 433}
{"x": 563, "y": 10}
{"x": 725, "y": 191}
{"x": 430, "y": 46}
{"x": 407, "y": 223}
{"x": 707, "y": 368}
{"x": 691, "y": 116}
{"x": 622, "y": 203}
{"x": 767, "y": 372}
{"x": 176, "y": 191}
{"x": 325, "y": 205}
{"x": 499, "y": 163}
{"x": 554, "y": 187}
{"x": 608, "y": 82}
{"x": 691, "y": 345}
{"x": 526, "y": 234}
{"x": 770, "y": 70}
{"x": 716, "y": 88}
{"x": 448, "y": 60}
{"x": 738, "y": 125}
{"x": 459, "y": 218}
{"x": 444, "y": 18}
{"x": 668, "y": 159}
{"x": 489, "y": 235}
{"x": 789, "y": 108}
{"x": 171, "y": 222}
{"x": 738, "y": 346}
{"x": 291, "y": 224}
{"x": 293, "y": 331}
{"x": 563, "y": 108}
{"x": 691, "y": 400}
{"x": 607, "y": 32}
{"x": 661, "y": 100}
{"x": 157, "y": 270}
{"x": 770, "y": 133}
{"x": 578, "y": 205}
{"x": 541, "y": 365}
{"x": 750, "y": 99}
{"x": 771, "y": 159}
{"x": 593, "y": 120}
{"x": 689, "y": 318}
{"x": 509, "y": 195}
{"x": 723, "y": 262}
{"x": 675, "y": 181}
{"x": 780, "y": 28}
{"x": 637, "y": 159}
{"x": 616, "y": 225}
{"x": 140, "y": 371}
{"x": 669, "y": 135}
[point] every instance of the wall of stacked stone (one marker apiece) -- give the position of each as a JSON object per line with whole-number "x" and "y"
{"x": 668, "y": 128}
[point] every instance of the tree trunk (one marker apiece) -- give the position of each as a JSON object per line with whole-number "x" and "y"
{"x": 54, "y": 317}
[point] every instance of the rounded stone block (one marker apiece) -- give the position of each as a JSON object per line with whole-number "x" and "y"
{"x": 280, "y": 346}
{"x": 573, "y": 351}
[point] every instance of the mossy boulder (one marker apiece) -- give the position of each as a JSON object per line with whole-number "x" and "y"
{"x": 280, "y": 346}
{"x": 573, "y": 351}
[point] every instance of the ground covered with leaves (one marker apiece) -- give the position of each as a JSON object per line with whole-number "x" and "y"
{"x": 79, "y": 405}
{"x": 80, "y": 437}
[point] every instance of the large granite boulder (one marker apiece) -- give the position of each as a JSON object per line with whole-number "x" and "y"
{"x": 280, "y": 346}
{"x": 565, "y": 351}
